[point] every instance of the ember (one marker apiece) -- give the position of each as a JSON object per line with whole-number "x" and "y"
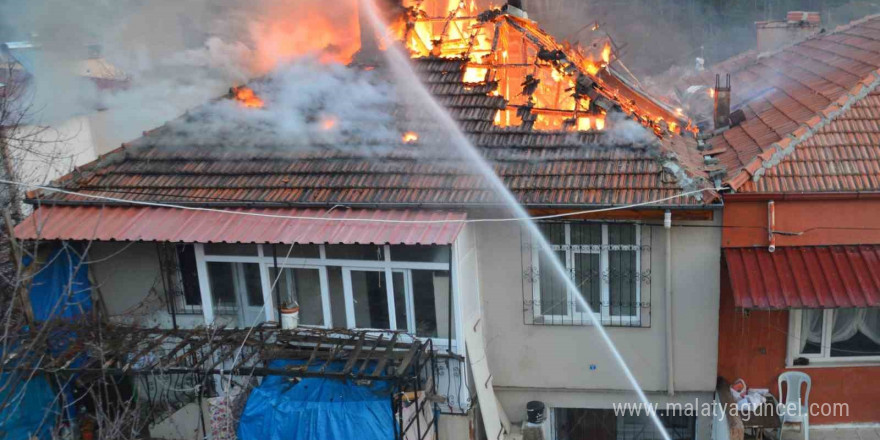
{"x": 328, "y": 122}
{"x": 410, "y": 137}
{"x": 246, "y": 96}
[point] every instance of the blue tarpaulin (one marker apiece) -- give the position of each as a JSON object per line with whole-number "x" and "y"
{"x": 61, "y": 288}
{"x": 316, "y": 409}
{"x": 30, "y": 410}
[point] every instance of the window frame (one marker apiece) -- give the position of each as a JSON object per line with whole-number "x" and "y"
{"x": 266, "y": 261}
{"x": 603, "y": 250}
{"x": 824, "y": 357}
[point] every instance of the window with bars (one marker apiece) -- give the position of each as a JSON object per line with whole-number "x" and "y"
{"x": 606, "y": 264}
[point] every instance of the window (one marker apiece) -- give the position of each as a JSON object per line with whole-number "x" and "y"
{"x": 834, "y": 335}
{"x": 606, "y": 424}
{"x": 378, "y": 287}
{"x": 603, "y": 261}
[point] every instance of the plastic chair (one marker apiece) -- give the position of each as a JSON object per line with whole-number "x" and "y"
{"x": 795, "y": 409}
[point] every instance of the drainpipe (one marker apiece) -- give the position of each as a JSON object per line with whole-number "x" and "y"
{"x": 670, "y": 359}
{"x": 771, "y": 225}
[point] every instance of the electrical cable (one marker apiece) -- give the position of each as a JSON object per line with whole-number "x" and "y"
{"x": 365, "y": 220}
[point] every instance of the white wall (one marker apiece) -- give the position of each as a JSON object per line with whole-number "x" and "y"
{"x": 552, "y": 363}
{"x": 130, "y": 283}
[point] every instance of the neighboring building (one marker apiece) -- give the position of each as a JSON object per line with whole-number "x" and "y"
{"x": 801, "y": 242}
{"x": 170, "y": 267}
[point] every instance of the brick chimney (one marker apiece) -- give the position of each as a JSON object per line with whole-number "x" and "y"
{"x": 722, "y": 103}
{"x": 798, "y": 25}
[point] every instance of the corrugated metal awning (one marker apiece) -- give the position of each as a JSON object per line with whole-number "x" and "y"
{"x": 313, "y": 226}
{"x": 805, "y": 277}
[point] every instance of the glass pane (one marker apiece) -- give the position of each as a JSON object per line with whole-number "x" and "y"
{"x": 296, "y": 251}
{"x": 553, "y": 232}
{"x": 222, "y": 281}
{"x": 249, "y": 250}
{"x": 400, "y": 300}
{"x": 302, "y": 287}
{"x": 370, "y": 299}
{"x": 586, "y": 233}
{"x": 811, "y": 331}
{"x": 429, "y": 254}
{"x": 253, "y": 284}
{"x": 189, "y": 276}
{"x": 855, "y": 333}
{"x": 337, "y": 297}
{"x": 588, "y": 277}
{"x": 431, "y": 303}
{"x": 622, "y": 279}
{"x": 622, "y": 234}
{"x": 554, "y": 299}
{"x": 354, "y": 252}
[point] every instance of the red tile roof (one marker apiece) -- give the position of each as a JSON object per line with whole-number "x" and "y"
{"x": 313, "y": 226}
{"x": 540, "y": 168}
{"x": 805, "y": 277}
{"x": 815, "y": 95}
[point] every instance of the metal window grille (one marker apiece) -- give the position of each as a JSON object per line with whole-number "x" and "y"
{"x": 609, "y": 263}
{"x": 180, "y": 279}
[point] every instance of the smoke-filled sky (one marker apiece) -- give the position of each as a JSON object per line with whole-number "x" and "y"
{"x": 178, "y": 53}
{"x": 182, "y": 53}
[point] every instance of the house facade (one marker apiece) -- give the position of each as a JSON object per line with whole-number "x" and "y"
{"x": 799, "y": 287}
{"x": 216, "y": 235}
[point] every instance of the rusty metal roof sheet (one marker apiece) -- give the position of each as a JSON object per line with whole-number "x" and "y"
{"x": 805, "y": 277}
{"x": 311, "y": 226}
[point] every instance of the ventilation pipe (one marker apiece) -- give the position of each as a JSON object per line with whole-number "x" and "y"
{"x": 670, "y": 359}
{"x": 722, "y": 103}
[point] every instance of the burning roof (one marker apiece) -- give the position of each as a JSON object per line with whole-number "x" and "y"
{"x": 547, "y": 116}
{"x": 547, "y": 85}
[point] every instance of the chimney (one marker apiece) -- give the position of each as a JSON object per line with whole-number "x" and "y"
{"x": 722, "y": 103}
{"x": 515, "y": 8}
{"x": 797, "y": 26}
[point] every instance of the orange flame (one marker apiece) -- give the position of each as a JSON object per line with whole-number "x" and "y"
{"x": 606, "y": 53}
{"x": 246, "y": 96}
{"x": 328, "y": 122}
{"x": 410, "y": 137}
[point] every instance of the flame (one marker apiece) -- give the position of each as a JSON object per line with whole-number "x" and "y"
{"x": 475, "y": 74}
{"x": 711, "y": 93}
{"x": 584, "y": 124}
{"x": 600, "y": 123}
{"x": 606, "y": 53}
{"x": 247, "y": 97}
{"x": 328, "y": 122}
{"x": 410, "y": 137}
{"x": 288, "y": 30}
{"x": 673, "y": 126}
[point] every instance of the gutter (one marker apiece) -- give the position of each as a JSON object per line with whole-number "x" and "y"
{"x": 670, "y": 350}
{"x": 763, "y": 197}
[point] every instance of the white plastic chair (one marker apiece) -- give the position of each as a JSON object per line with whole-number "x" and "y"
{"x": 795, "y": 409}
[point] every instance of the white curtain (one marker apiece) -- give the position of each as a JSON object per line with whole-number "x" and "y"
{"x": 848, "y": 322}
{"x": 811, "y": 327}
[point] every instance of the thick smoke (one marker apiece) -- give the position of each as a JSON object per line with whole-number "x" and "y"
{"x": 306, "y": 104}
{"x": 177, "y": 54}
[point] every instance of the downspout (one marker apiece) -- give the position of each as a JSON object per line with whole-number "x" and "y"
{"x": 670, "y": 359}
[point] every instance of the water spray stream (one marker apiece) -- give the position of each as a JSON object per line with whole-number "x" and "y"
{"x": 401, "y": 67}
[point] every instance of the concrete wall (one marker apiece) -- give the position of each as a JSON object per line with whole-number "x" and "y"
{"x": 130, "y": 284}
{"x": 552, "y": 363}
